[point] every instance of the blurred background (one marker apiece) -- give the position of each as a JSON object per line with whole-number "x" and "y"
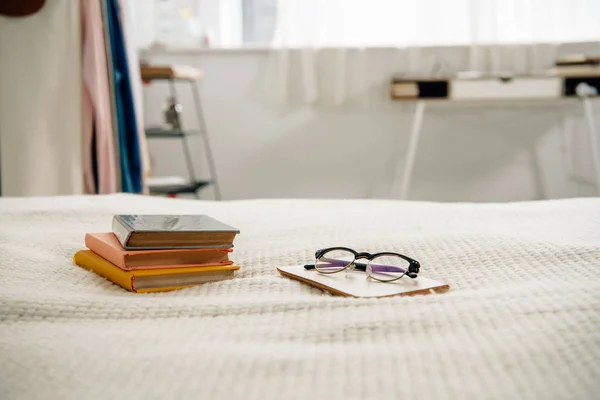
{"x": 436, "y": 100}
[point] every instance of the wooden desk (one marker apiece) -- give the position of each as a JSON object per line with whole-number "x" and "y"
{"x": 488, "y": 91}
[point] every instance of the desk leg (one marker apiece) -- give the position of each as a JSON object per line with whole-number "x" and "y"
{"x": 565, "y": 133}
{"x": 594, "y": 151}
{"x": 536, "y": 167}
{"x": 411, "y": 153}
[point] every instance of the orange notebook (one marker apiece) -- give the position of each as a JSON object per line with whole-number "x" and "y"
{"x": 108, "y": 246}
{"x": 154, "y": 280}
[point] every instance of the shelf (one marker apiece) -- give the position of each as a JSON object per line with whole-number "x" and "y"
{"x": 168, "y": 133}
{"x": 174, "y": 184}
{"x": 178, "y": 72}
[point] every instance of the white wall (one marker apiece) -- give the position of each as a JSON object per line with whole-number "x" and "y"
{"x": 466, "y": 154}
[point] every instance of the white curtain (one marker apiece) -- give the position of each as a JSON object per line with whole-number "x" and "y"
{"x": 383, "y": 23}
{"x": 330, "y": 51}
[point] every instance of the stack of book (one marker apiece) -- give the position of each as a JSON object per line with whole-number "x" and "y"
{"x": 153, "y": 253}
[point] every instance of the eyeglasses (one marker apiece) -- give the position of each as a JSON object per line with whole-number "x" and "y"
{"x": 384, "y": 267}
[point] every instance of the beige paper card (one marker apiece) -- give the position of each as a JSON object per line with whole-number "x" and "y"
{"x": 358, "y": 284}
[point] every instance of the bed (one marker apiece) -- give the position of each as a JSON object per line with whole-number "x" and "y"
{"x": 521, "y": 318}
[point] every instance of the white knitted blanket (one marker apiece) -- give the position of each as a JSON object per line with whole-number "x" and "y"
{"x": 521, "y": 320}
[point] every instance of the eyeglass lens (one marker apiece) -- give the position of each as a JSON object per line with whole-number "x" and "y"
{"x": 387, "y": 267}
{"x": 334, "y": 261}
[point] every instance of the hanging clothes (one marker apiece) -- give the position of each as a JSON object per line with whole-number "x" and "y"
{"x": 98, "y": 144}
{"x": 128, "y": 23}
{"x": 129, "y": 147}
{"x": 40, "y": 101}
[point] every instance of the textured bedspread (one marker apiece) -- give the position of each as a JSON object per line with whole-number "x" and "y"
{"x": 521, "y": 320}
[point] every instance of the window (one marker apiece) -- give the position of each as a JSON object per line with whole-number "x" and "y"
{"x": 204, "y": 23}
{"x": 354, "y": 23}
{"x": 258, "y": 21}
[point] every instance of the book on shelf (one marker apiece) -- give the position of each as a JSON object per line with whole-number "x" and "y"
{"x": 578, "y": 59}
{"x": 194, "y": 231}
{"x": 106, "y": 245}
{"x": 158, "y": 181}
{"x": 149, "y": 72}
{"x": 575, "y": 70}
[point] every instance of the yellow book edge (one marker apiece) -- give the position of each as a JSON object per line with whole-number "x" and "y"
{"x": 91, "y": 261}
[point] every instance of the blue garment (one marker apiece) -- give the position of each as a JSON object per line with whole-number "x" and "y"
{"x": 129, "y": 147}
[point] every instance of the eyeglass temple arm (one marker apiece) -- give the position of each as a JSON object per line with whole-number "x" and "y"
{"x": 358, "y": 266}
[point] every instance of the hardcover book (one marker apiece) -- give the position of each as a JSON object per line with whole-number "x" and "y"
{"x": 153, "y": 280}
{"x": 136, "y": 232}
{"x": 106, "y": 245}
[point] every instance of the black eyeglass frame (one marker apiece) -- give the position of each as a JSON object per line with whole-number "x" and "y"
{"x": 413, "y": 268}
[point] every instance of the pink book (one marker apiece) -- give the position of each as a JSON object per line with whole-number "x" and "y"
{"x": 107, "y": 246}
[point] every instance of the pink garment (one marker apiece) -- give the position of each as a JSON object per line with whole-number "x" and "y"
{"x": 96, "y": 103}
